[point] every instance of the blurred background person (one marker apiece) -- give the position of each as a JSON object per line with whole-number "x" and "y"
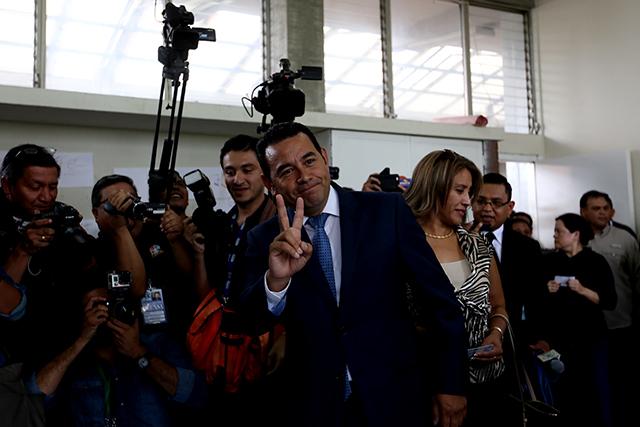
{"x": 522, "y": 223}
{"x": 620, "y": 248}
{"x": 579, "y": 286}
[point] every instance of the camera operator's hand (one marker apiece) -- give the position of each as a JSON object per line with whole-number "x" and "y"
{"x": 171, "y": 225}
{"x": 38, "y": 235}
{"x": 288, "y": 253}
{"x": 127, "y": 338}
{"x": 193, "y": 236}
{"x": 120, "y": 200}
{"x": 95, "y": 314}
{"x": 372, "y": 183}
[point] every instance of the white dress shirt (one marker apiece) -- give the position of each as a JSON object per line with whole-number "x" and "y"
{"x": 497, "y": 242}
{"x": 275, "y": 300}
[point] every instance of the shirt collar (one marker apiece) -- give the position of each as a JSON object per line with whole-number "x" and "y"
{"x": 498, "y": 232}
{"x": 332, "y": 207}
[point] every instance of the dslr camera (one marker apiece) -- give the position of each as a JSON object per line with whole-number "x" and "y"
{"x": 119, "y": 301}
{"x": 65, "y": 220}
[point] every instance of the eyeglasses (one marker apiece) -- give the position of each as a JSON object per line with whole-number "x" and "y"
{"x": 494, "y": 203}
{"x": 32, "y": 151}
{"x": 27, "y": 151}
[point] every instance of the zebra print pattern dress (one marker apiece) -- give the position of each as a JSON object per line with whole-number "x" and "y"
{"x": 473, "y": 295}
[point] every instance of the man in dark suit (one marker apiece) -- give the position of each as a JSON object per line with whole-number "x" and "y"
{"x": 519, "y": 257}
{"x": 335, "y": 272}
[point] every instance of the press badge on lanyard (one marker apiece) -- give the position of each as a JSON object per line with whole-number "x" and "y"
{"x": 152, "y": 306}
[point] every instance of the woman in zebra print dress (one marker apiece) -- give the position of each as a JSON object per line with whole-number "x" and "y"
{"x": 443, "y": 184}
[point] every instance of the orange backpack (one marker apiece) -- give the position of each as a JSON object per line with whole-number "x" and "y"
{"x": 229, "y": 358}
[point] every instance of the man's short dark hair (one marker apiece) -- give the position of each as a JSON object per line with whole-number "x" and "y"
{"x": 23, "y": 156}
{"x": 105, "y": 182}
{"x": 574, "y": 222}
{"x": 278, "y": 133}
{"x": 239, "y": 143}
{"x": 496, "y": 178}
{"x": 594, "y": 194}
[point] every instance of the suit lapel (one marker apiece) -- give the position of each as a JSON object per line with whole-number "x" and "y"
{"x": 349, "y": 232}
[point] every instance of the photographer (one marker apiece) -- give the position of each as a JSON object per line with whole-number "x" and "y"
{"x": 129, "y": 377}
{"x": 44, "y": 255}
{"x": 151, "y": 248}
{"x": 116, "y": 246}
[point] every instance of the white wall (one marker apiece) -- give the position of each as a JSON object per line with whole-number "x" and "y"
{"x": 589, "y": 64}
{"x": 111, "y": 148}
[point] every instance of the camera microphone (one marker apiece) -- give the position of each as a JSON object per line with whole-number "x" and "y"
{"x": 557, "y": 366}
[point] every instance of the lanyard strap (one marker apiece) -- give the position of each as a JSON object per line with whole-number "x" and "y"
{"x": 233, "y": 255}
{"x": 106, "y": 382}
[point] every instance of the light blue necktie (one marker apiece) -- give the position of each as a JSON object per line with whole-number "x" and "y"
{"x": 322, "y": 249}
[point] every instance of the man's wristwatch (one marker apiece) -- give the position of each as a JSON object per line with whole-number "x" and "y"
{"x": 144, "y": 361}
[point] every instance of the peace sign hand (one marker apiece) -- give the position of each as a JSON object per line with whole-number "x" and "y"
{"x": 288, "y": 254}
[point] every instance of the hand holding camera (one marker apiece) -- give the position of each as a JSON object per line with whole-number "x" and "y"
{"x": 193, "y": 236}
{"x": 116, "y": 206}
{"x": 38, "y": 234}
{"x": 387, "y": 182}
{"x": 95, "y": 314}
{"x": 171, "y": 225}
{"x": 126, "y": 338}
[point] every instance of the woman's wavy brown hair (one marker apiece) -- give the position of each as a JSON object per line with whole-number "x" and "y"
{"x": 433, "y": 178}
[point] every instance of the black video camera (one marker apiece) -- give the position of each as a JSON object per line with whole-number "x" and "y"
{"x": 119, "y": 302}
{"x": 279, "y": 97}
{"x": 179, "y": 36}
{"x": 389, "y": 182}
{"x": 200, "y": 186}
{"x": 65, "y": 220}
{"x": 139, "y": 210}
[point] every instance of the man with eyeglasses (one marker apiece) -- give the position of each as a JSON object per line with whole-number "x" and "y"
{"x": 519, "y": 257}
{"x": 40, "y": 274}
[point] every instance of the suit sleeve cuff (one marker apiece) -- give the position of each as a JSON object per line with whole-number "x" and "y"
{"x": 276, "y": 300}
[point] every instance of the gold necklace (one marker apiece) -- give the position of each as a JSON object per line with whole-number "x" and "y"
{"x": 439, "y": 236}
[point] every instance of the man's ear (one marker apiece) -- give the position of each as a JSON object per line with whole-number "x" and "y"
{"x": 324, "y": 154}
{"x": 267, "y": 183}
{"x": 6, "y": 188}
{"x": 511, "y": 205}
{"x": 613, "y": 213}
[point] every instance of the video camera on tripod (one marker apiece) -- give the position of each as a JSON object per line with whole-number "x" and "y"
{"x": 179, "y": 37}
{"x": 278, "y": 95}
